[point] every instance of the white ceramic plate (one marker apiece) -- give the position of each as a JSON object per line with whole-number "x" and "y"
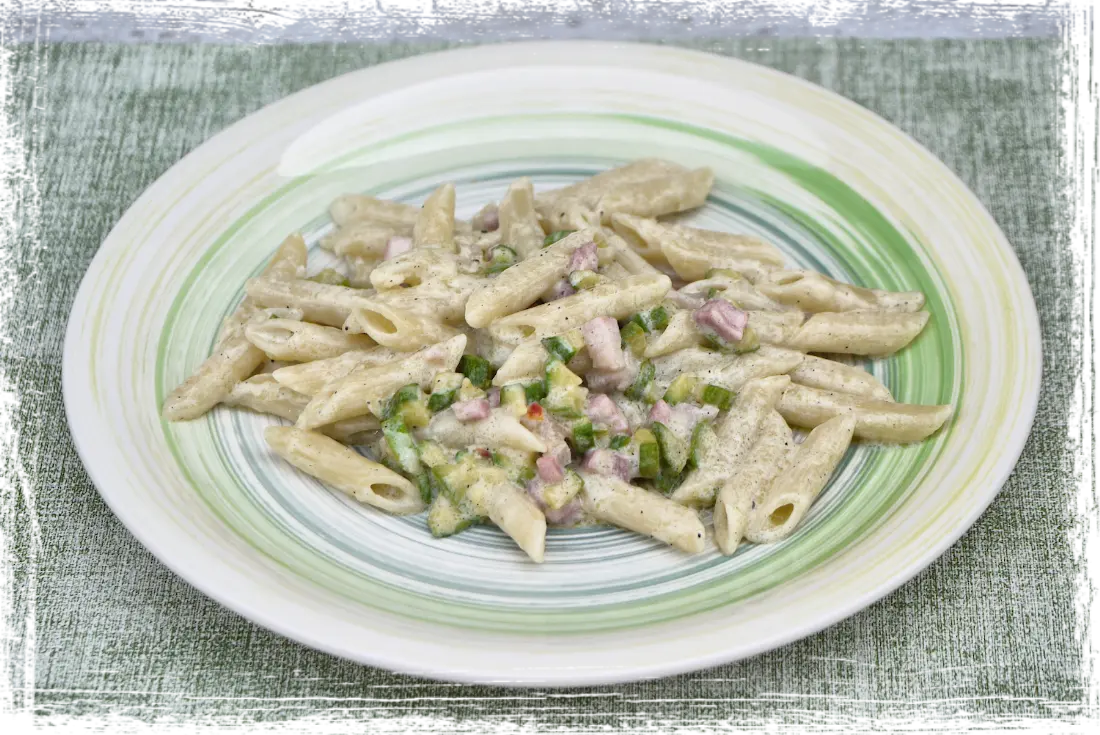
{"x": 836, "y": 187}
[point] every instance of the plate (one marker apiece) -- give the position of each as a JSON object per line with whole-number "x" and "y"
{"x": 837, "y": 188}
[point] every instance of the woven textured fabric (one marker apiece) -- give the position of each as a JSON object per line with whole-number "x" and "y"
{"x": 986, "y": 633}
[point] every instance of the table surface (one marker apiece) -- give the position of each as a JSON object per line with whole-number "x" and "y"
{"x": 500, "y": 20}
{"x": 985, "y": 635}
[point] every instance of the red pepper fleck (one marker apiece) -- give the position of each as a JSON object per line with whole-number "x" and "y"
{"x": 484, "y": 453}
{"x": 534, "y": 412}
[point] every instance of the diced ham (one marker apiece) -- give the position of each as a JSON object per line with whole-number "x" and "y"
{"x": 722, "y": 318}
{"x": 560, "y": 290}
{"x": 685, "y": 300}
{"x": 584, "y": 258}
{"x": 397, "y": 245}
{"x": 601, "y": 336}
{"x": 550, "y": 470}
{"x": 600, "y": 409}
{"x": 494, "y": 397}
{"x": 609, "y": 463}
{"x": 609, "y": 381}
{"x": 474, "y": 409}
{"x": 660, "y": 413}
{"x": 487, "y": 220}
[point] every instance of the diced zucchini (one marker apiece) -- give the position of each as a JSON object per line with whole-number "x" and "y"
{"x": 535, "y": 392}
{"x": 658, "y": 317}
{"x": 646, "y": 374}
{"x": 329, "y": 276}
{"x": 559, "y": 493}
{"x": 619, "y": 441}
{"x": 402, "y": 445}
{"x": 566, "y": 346}
{"x": 433, "y": 454}
{"x": 702, "y": 440}
{"x": 425, "y": 485}
{"x": 517, "y": 464}
{"x": 674, "y": 450}
{"x": 564, "y": 396}
{"x": 446, "y": 518}
{"x": 749, "y": 342}
{"x": 559, "y": 376}
{"x": 410, "y": 392}
{"x": 468, "y": 391}
{"x": 682, "y": 389}
{"x": 649, "y": 453}
{"x": 633, "y": 338}
{"x": 553, "y": 237}
{"x": 444, "y": 391}
{"x": 477, "y": 370}
{"x": 582, "y": 279}
{"x": 583, "y": 437}
{"x": 501, "y": 258}
{"x": 667, "y": 480}
{"x": 716, "y": 395}
{"x": 652, "y": 393}
{"x": 513, "y": 399}
{"x": 408, "y": 403}
{"x": 654, "y": 319}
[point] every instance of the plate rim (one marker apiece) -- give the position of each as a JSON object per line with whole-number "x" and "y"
{"x": 584, "y": 677}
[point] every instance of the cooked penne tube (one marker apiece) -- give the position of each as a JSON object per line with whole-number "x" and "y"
{"x": 817, "y": 372}
{"x": 519, "y": 223}
{"x": 527, "y": 361}
{"x": 344, "y": 469}
{"x": 264, "y": 394}
{"x": 880, "y": 421}
{"x": 690, "y": 267}
{"x": 513, "y": 511}
{"x": 414, "y": 268}
{"x": 234, "y": 358}
{"x": 500, "y": 429}
{"x": 734, "y": 434}
{"x": 732, "y": 372}
{"x": 618, "y": 299}
{"x": 367, "y": 387}
{"x": 362, "y": 239}
{"x": 791, "y": 493}
{"x": 619, "y": 503}
{"x": 665, "y": 194}
{"x": 871, "y": 333}
{"x": 771, "y": 327}
{"x": 320, "y": 303}
{"x": 296, "y": 341}
{"x": 351, "y": 208}
{"x": 815, "y": 292}
{"x": 698, "y": 250}
{"x": 521, "y": 285}
{"x": 748, "y": 480}
{"x": 587, "y": 192}
{"x": 309, "y": 377}
{"x": 358, "y": 430}
{"x": 435, "y": 223}
{"x": 628, "y": 259}
{"x": 398, "y": 329}
{"x": 359, "y": 270}
{"x": 738, "y": 291}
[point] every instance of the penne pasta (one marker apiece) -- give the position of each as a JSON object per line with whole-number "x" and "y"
{"x": 617, "y": 299}
{"x": 351, "y": 208}
{"x": 880, "y": 421}
{"x": 344, "y": 469}
{"x": 795, "y": 488}
{"x": 319, "y": 303}
{"x": 588, "y": 191}
{"x": 264, "y": 394}
{"x": 519, "y": 222}
{"x": 734, "y": 434}
{"x": 738, "y": 291}
{"x": 366, "y": 388}
{"x": 521, "y": 285}
{"x": 435, "y": 223}
{"x": 363, "y": 239}
{"x": 697, "y": 251}
{"x": 619, "y": 503}
{"x": 732, "y": 372}
{"x": 748, "y": 480}
{"x": 296, "y": 341}
{"x": 513, "y": 511}
{"x": 414, "y": 268}
{"x": 664, "y": 194}
{"x": 829, "y": 375}
{"x": 396, "y": 328}
{"x": 500, "y": 429}
{"x": 814, "y": 292}
{"x": 310, "y": 377}
{"x": 871, "y": 333}
{"x": 234, "y": 358}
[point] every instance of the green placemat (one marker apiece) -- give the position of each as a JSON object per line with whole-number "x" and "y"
{"x": 986, "y": 634}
